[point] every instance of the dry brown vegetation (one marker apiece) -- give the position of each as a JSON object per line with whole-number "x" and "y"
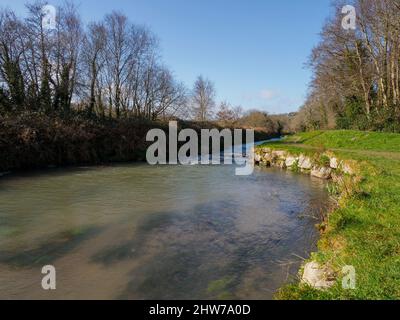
{"x": 33, "y": 140}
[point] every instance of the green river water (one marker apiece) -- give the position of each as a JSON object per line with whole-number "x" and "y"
{"x": 166, "y": 232}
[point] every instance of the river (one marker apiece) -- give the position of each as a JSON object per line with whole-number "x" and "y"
{"x": 164, "y": 232}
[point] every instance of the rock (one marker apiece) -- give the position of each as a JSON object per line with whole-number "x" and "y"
{"x": 281, "y": 164}
{"x": 291, "y": 161}
{"x": 347, "y": 168}
{"x": 317, "y": 277}
{"x": 257, "y": 158}
{"x": 305, "y": 163}
{"x": 334, "y": 164}
{"x": 322, "y": 173}
{"x": 279, "y": 154}
{"x": 267, "y": 157}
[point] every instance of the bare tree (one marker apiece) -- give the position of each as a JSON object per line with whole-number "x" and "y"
{"x": 12, "y": 86}
{"x": 93, "y": 59}
{"x": 111, "y": 65}
{"x": 170, "y": 96}
{"x": 228, "y": 115}
{"x": 64, "y": 56}
{"x": 203, "y": 99}
{"x": 118, "y": 58}
{"x": 356, "y": 78}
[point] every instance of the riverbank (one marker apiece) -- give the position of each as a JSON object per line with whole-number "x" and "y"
{"x": 363, "y": 230}
{"x": 34, "y": 141}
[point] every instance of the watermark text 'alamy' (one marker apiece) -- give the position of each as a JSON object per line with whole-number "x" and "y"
{"x": 188, "y": 153}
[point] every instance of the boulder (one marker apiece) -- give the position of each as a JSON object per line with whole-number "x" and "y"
{"x": 266, "y": 150}
{"x": 305, "y": 163}
{"x": 334, "y": 163}
{"x": 318, "y": 277}
{"x": 321, "y": 172}
{"x": 267, "y": 157}
{"x": 281, "y": 164}
{"x": 291, "y": 161}
{"x": 279, "y": 154}
{"x": 348, "y": 168}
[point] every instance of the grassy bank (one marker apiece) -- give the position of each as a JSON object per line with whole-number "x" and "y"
{"x": 364, "y": 229}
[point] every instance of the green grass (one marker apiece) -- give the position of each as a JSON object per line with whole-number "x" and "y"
{"x": 357, "y": 140}
{"x": 364, "y": 231}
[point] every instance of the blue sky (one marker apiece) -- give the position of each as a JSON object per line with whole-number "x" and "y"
{"x": 254, "y": 51}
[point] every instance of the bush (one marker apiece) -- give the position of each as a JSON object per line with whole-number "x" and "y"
{"x": 33, "y": 140}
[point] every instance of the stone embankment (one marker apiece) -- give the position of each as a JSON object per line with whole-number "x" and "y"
{"x": 324, "y": 166}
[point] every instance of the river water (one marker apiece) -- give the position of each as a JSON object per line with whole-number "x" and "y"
{"x": 166, "y": 232}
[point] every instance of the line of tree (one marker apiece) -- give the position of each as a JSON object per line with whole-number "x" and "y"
{"x": 356, "y": 82}
{"x": 109, "y": 68}
{"x": 88, "y": 94}
{"x": 204, "y": 108}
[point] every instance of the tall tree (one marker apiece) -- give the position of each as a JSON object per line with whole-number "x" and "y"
{"x": 203, "y": 99}
{"x": 356, "y": 77}
{"x": 93, "y": 56}
{"x": 110, "y": 65}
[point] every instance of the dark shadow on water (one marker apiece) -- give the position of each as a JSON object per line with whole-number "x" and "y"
{"x": 195, "y": 250}
{"x": 199, "y": 254}
{"x": 50, "y": 249}
{"x": 65, "y": 170}
{"x": 135, "y": 247}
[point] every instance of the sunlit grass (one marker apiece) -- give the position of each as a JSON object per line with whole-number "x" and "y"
{"x": 364, "y": 231}
{"x": 358, "y": 140}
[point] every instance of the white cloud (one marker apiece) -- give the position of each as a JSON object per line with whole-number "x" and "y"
{"x": 267, "y": 94}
